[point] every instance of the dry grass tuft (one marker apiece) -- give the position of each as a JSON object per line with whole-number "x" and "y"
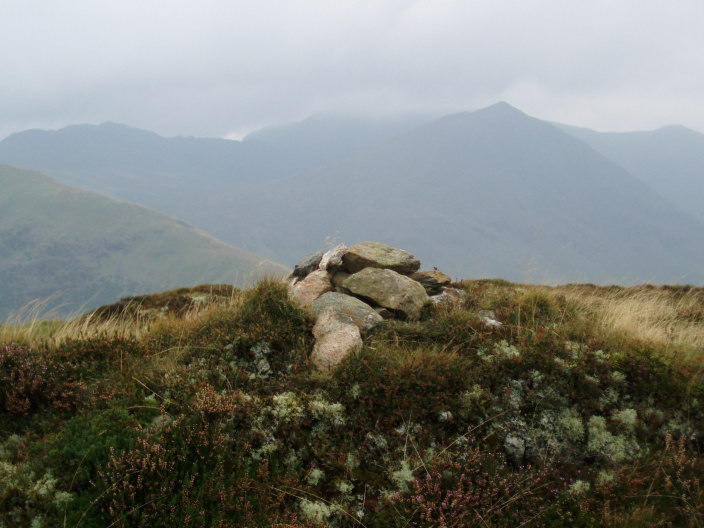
{"x": 30, "y": 327}
{"x": 662, "y": 316}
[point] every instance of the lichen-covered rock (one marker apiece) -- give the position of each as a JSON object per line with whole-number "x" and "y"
{"x": 389, "y": 289}
{"x": 307, "y": 264}
{"x": 336, "y": 337}
{"x": 377, "y": 255}
{"x": 363, "y": 315}
{"x": 433, "y": 280}
{"x": 310, "y": 288}
{"x": 332, "y": 258}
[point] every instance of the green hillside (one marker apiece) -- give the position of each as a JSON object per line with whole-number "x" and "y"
{"x": 82, "y": 249}
{"x": 572, "y": 413}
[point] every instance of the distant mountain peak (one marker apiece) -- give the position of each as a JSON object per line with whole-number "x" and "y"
{"x": 502, "y": 107}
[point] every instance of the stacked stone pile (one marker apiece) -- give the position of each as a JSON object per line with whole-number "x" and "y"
{"x": 351, "y": 290}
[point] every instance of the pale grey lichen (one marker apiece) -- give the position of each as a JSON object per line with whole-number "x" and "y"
{"x": 602, "y": 442}
{"x": 579, "y": 487}
{"x": 570, "y": 425}
{"x": 322, "y": 409}
{"x": 316, "y": 510}
{"x": 287, "y": 407}
{"x": 315, "y": 476}
{"x": 445, "y": 416}
{"x": 626, "y": 418}
{"x": 403, "y": 476}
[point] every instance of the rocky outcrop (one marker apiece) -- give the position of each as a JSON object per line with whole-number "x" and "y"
{"x": 388, "y": 289}
{"x": 351, "y": 290}
{"x": 376, "y": 255}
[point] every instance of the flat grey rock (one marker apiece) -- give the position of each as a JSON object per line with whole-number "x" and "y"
{"x": 377, "y": 255}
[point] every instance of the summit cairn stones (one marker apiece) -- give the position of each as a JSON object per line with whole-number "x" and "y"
{"x": 377, "y": 255}
{"x": 388, "y": 289}
{"x": 351, "y": 290}
{"x": 307, "y": 264}
{"x": 336, "y": 336}
{"x": 310, "y": 288}
{"x": 333, "y": 258}
{"x": 363, "y": 315}
{"x": 433, "y": 281}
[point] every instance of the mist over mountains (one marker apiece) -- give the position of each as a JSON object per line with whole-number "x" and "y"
{"x": 488, "y": 193}
{"x": 478, "y": 194}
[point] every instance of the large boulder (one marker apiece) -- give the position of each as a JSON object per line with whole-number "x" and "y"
{"x": 377, "y": 255}
{"x": 363, "y": 315}
{"x": 336, "y": 337}
{"x": 309, "y": 289}
{"x": 389, "y": 289}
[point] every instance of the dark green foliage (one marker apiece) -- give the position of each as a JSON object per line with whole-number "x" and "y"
{"x": 83, "y": 447}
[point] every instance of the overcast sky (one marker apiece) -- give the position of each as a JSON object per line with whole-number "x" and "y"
{"x": 221, "y": 68}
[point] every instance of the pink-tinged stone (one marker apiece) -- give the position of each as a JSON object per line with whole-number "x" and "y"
{"x": 336, "y": 337}
{"x": 309, "y": 289}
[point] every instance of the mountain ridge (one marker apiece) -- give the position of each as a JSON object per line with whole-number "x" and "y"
{"x": 437, "y": 152}
{"x": 532, "y": 199}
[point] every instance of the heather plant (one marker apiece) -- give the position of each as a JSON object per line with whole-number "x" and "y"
{"x": 188, "y": 472}
{"x": 472, "y": 488}
{"x": 30, "y": 380}
{"x": 211, "y": 415}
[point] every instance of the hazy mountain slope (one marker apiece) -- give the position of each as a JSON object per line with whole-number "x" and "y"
{"x": 91, "y": 250}
{"x": 325, "y": 139}
{"x": 181, "y": 175}
{"x": 140, "y": 166}
{"x": 493, "y": 192}
{"x": 670, "y": 160}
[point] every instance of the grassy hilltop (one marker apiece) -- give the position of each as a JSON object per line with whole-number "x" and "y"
{"x": 198, "y": 407}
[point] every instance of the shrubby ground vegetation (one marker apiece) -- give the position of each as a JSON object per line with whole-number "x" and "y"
{"x": 199, "y": 407}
